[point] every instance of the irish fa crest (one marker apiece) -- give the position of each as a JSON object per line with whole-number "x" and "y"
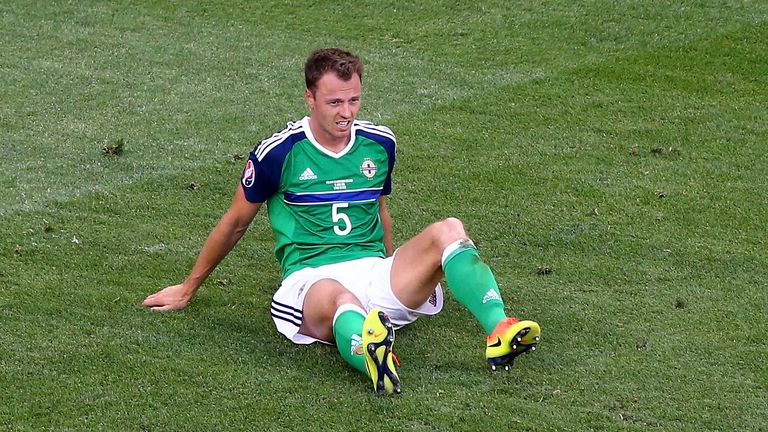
{"x": 368, "y": 168}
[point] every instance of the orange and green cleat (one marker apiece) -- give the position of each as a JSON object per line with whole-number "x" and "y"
{"x": 378, "y": 338}
{"x": 509, "y": 339}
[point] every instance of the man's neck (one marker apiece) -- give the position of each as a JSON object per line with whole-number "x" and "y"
{"x": 330, "y": 143}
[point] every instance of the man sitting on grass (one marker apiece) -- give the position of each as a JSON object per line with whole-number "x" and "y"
{"x": 324, "y": 179}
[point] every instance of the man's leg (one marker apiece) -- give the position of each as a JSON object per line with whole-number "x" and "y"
{"x": 473, "y": 284}
{"x": 322, "y": 301}
{"x": 444, "y": 249}
{"x": 348, "y": 334}
{"x": 332, "y": 313}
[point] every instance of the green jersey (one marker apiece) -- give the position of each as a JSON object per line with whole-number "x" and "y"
{"x": 323, "y": 206}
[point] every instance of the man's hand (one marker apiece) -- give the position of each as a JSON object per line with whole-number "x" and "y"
{"x": 171, "y": 298}
{"x": 221, "y": 240}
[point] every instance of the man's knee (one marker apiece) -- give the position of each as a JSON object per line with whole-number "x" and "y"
{"x": 320, "y": 305}
{"x": 346, "y": 297}
{"x": 332, "y": 293}
{"x": 450, "y": 230}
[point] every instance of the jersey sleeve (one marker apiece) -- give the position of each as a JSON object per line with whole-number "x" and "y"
{"x": 261, "y": 178}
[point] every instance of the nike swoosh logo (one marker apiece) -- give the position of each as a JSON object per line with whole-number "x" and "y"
{"x": 497, "y": 343}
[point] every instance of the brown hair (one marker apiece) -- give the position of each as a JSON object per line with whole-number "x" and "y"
{"x": 343, "y": 63}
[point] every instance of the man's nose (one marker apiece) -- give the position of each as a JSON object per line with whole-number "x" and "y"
{"x": 345, "y": 110}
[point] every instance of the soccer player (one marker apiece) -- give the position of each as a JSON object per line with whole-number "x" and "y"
{"x": 324, "y": 180}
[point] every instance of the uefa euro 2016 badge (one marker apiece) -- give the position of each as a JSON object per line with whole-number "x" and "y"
{"x": 249, "y": 175}
{"x": 368, "y": 168}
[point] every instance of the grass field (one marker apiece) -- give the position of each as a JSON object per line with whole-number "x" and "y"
{"x": 620, "y": 145}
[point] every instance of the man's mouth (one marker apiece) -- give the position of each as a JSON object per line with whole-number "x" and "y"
{"x": 343, "y": 123}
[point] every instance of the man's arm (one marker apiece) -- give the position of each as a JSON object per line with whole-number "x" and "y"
{"x": 386, "y": 224}
{"x": 221, "y": 240}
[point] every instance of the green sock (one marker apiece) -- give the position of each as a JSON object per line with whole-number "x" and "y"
{"x": 348, "y": 330}
{"x": 472, "y": 283}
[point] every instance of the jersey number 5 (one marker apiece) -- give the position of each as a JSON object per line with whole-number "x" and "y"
{"x": 343, "y": 224}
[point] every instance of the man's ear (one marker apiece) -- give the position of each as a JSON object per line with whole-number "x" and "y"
{"x": 310, "y": 98}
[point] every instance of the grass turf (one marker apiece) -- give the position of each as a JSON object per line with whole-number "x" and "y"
{"x": 621, "y": 146}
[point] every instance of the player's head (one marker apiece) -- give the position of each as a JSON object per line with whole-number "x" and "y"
{"x": 333, "y": 94}
{"x": 342, "y": 63}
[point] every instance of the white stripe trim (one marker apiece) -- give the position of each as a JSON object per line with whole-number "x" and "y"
{"x": 375, "y": 129}
{"x": 266, "y": 145}
{"x": 290, "y": 127}
{"x": 453, "y": 246}
{"x": 336, "y": 192}
{"x": 347, "y": 307}
{"x": 270, "y": 143}
{"x": 316, "y": 143}
{"x": 326, "y": 203}
{"x": 286, "y": 314}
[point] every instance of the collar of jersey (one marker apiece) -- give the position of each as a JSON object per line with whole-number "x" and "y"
{"x": 311, "y": 138}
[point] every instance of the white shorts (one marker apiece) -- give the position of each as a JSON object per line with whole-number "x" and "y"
{"x": 367, "y": 278}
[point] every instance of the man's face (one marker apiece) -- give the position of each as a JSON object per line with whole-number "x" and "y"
{"x": 334, "y": 105}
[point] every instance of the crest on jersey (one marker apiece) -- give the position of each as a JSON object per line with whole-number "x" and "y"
{"x": 249, "y": 175}
{"x": 368, "y": 168}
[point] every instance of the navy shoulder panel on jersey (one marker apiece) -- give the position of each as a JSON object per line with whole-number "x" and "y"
{"x": 386, "y": 138}
{"x": 381, "y": 134}
{"x": 261, "y": 176}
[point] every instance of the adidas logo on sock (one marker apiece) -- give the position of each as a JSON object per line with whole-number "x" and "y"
{"x": 307, "y": 175}
{"x": 491, "y": 295}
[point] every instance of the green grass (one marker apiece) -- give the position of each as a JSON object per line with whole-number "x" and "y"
{"x": 622, "y": 145}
